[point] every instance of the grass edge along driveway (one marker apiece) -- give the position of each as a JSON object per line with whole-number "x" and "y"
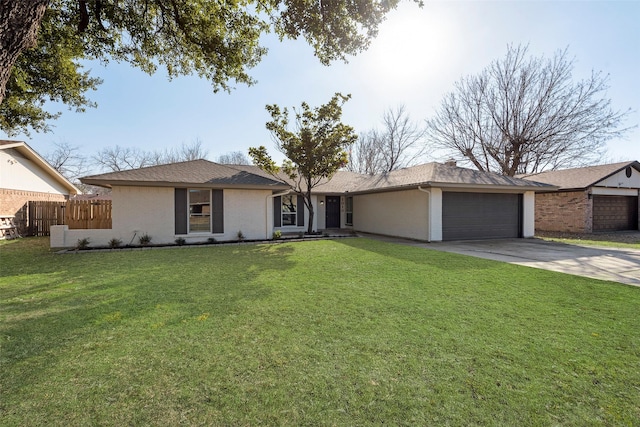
{"x": 345, "y": 332}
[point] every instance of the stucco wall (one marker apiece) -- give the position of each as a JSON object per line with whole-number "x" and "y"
{"x": 62, "y": 237}
{"x": 568, "y": 211}
{"x": 397, "y": 213}
{"x": 246, "y": 210}
{"x": 150, "y": 210}
{"x": 19, "y": 173}
{"x": 143, "y": 210}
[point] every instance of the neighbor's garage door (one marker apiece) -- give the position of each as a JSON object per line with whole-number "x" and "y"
{"x": 613, "y": 213}
{"x": 480, "y": 216}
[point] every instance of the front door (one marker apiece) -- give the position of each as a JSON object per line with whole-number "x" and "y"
{"x": 332, "y": 212}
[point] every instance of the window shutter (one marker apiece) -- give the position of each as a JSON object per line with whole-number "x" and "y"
{"x": 300, "y": 211}
{"x": 277, "y": 211}
{"x": 217, "y": 211}
{"x": 180, "y": 208}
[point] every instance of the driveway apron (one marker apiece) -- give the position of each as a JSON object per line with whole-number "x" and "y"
{"x": 618, "y": 265}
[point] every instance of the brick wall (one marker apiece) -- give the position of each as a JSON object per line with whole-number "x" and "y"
{"x": 11, "y": 201}
{"x": 569, "y": 211}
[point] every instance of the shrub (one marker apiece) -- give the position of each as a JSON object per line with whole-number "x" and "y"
{"x": 82, "y": 243}
{"x": 144, "y": 240}
{"x": 277, "y": 235}
{"x": 180, "y": 241}
{"x": 114, "y": 243}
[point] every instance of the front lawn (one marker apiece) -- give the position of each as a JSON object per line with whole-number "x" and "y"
{"x": 344, "y": 332}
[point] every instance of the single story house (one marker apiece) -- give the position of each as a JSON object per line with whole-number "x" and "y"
{"x": 198, "y": 200}
{"x": 589, "y": 199}
{"x": 25, "y": 176}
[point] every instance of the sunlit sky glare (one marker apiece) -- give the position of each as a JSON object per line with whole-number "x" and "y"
{"x": 417, "y": 57}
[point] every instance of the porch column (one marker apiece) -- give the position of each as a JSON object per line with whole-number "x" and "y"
{"x": 528, "y": 214}
{"x": 435, "y": 215}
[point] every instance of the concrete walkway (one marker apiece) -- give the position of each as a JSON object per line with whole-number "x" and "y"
{"x": 618, "y": 265}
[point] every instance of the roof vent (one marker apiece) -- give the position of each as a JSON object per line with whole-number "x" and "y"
{"x": 450, "y": 162}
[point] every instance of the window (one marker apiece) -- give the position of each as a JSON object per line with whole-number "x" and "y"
{"x": 289, "y": 210}
{"x": 199, "y": 211}
{"x": 349, "y": 211}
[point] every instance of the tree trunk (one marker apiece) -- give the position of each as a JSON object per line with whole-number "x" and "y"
{"x": 19, "y": 24}
{"x": 307, "y": 198}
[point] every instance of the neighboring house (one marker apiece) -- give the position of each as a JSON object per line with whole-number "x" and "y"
{"x": 589, "y": 199}
{"x": 199, "y": 200}
{"x": 25, "y": 176}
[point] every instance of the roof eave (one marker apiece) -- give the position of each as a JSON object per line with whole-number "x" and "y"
{"x": 508, "y": 187}
{"x": 24, "y": 149}
{"x": 452, "y": 185}
{"x": 111, "y": 183}
{"x": 635, "y": 164}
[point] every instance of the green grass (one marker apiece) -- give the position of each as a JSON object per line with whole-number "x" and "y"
{"x": 345, "y": 332}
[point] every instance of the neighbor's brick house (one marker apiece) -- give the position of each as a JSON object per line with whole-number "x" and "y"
{"x": 590, "y": 199}
{"x": 25, "y": 176}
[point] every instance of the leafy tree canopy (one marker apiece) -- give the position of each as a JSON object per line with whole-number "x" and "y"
{"x": 217, "y": 40}
{"x": 314, "y": 150}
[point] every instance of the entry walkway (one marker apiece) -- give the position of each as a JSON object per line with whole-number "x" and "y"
{"x": 618, "y": 265}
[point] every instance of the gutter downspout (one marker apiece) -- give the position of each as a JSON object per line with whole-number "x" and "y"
{"x": 428, "y": 210}
{"x": 266, "y": 212}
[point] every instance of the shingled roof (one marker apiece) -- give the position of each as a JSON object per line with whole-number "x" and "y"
{"x": 194, "y": 172}
{"x": 580, "y": 178}
{"x": 439, "y": 175}
{"x": 426, "y": 175}
{"x": 206, "y": 173}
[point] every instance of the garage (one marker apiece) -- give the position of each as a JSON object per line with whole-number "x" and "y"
{"x": 615, "y": 213}
{"x": 481, "y": 216}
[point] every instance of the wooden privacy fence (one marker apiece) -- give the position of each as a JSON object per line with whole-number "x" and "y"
{"x": 77, "y": 214}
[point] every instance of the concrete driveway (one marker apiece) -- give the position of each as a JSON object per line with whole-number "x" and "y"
{"x": 618, "y": 265}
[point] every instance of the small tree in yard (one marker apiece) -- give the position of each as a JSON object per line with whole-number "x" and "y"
{"x": 314, "y": 151}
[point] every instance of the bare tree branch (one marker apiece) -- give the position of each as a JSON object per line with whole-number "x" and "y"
{"x": 525, "y": 114}
{"x": 68, "y": 160}
{"x": 118, "y": 158}
{"x": 234, "y": 158}
{"x": 398, "y": 145}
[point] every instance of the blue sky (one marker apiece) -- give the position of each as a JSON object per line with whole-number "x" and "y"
{"x": 417, "y": 57}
